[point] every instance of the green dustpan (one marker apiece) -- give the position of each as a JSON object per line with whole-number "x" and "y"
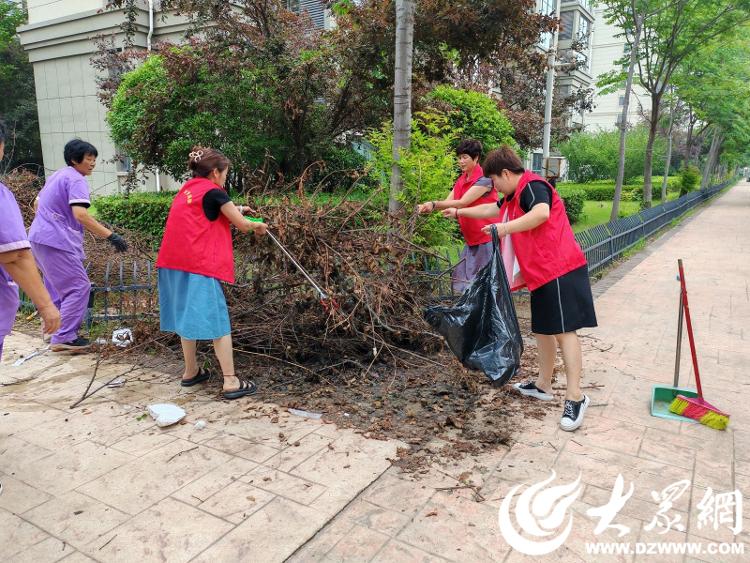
{"x": 661, "y": 395}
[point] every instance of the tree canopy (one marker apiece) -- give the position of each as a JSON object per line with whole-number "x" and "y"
{"x": 296, "y": 90}
{"x": 17, "y": 94}
{"x": 673, "y": 30}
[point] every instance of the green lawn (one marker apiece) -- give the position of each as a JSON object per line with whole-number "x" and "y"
{"x": 597, "y": 212}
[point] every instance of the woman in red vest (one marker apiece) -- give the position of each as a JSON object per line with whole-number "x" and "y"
{"x": 195, "y": 256}
{"x": 471, "y": 189}
{"x": 541, "y": 252}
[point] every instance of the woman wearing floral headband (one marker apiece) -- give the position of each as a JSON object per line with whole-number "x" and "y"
{"x": 195, "y": 256}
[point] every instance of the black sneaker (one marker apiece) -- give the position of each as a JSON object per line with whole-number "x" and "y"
{"x": 531, "y": 390}
{"x": 77, "y": 346}
{"x": 573, "y": 413}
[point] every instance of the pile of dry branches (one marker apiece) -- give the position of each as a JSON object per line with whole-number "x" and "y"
{"x": 374, "y": 277}
{"x": 365, "y": 262}
{"x": 25, "y": 186}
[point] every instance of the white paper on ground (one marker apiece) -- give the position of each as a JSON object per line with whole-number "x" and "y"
{"x": 166, "y": 414}
{"x": 306, "y": 414}
{"x": 122, "y": 337}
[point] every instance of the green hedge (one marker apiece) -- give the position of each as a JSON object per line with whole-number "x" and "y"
{"x": 573, "y": 200}
{"x": 604, "y": 190}
{"x": 145, "y": 213}
{"x": 689, "y": 179}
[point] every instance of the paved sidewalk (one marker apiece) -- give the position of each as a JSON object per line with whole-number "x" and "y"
{"x": 102, "y": 482}
{"x": 99, "y": 483}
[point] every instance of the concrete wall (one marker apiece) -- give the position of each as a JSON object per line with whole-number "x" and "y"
{"x": 60, "y": 41}
{"x": 44, "y": 10}
{"x": 606, "y": 50}
{"x": 69, "y": 108}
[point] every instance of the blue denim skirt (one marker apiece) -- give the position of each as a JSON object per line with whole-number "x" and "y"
{"x": 192, "y": 305}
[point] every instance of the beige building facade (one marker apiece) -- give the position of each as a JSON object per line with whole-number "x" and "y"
{"x": 606, "y": 49}
{"x": 60, "y": 39}
{"x": 576, "y": 24}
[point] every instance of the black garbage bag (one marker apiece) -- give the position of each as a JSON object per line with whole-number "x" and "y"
{"x": 482, "y": 328}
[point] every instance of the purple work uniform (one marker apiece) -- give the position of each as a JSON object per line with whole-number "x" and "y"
{"x": 57, "y": 243}
{"x": 12, "y": 237}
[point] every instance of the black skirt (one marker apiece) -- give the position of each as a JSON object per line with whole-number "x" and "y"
{"x": 563, "y": 305}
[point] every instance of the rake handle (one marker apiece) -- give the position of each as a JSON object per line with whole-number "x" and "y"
{"x": 683, "y": 292}
{"x": 678, "y": 354}
{"x": 291, "y": 258}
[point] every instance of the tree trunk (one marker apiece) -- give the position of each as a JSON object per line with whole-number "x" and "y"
{"x": 715, "y": 173}
{"x": 711, "y": 159}
{"x": 401, "y": 94}
{"x": 669, "y": 155}
{"x": 624, "y": 122}
{"x": 689, "y": 142}
{"x": 665, "y": 181}
{"x": 648, "y": 165}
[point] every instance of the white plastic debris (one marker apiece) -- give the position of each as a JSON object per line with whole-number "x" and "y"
{"x": 122, "y": 337}
{"x": 306, "y": 414}
{"x": 166, "y": 414}
{"x": 200, "y": 425}
{"x": 34, "y": 354}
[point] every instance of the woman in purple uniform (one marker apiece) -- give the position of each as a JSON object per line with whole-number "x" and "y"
{"x": 56, "y": 237}
{"x": 17, "y": 266}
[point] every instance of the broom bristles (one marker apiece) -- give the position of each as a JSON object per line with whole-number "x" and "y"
{"x": 699, "y": 410}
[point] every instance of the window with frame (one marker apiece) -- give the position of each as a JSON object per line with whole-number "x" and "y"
{"x": 536, "y": 162}
{"x": 584, "y": 30}
{"x": 566, "y": 25}
{"x": 545, "y": 7}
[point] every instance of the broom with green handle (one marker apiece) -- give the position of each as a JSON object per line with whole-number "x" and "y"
{"x": 696, "y": 407}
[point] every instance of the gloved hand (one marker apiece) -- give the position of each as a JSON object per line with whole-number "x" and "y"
{"x": 118, "y": 242}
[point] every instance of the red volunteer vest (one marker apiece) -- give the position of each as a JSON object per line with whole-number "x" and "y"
{"x": 191, "y": 242}
{"x": 549, "y": 250}
{"x": 472, "y": 228}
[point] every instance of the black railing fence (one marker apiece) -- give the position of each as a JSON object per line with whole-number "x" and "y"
{"x": 604, "y": 244}
{"x": 126, "y": 289}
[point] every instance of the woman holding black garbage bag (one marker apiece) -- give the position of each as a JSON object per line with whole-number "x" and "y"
{"x": 540, "y": 251}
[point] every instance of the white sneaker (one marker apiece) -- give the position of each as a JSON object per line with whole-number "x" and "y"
{"x": 573, "y": 412}
{"x": 531, "y": 390}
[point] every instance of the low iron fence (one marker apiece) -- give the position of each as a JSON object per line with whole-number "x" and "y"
{"x": 126, "y": 290}
{"x": 604, "y": 244}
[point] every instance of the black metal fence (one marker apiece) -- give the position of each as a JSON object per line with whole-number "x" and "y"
{"x": 604, "y": 244}
{"x": 124, "y": 290}
{"x": 127, "y": 290}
